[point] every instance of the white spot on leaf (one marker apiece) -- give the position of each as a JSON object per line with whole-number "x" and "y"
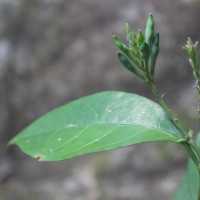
{"x": 70, "y": 125}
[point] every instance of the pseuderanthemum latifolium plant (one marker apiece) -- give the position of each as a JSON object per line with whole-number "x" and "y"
{"x": 112, "y": 119}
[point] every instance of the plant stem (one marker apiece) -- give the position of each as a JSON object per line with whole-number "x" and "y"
{"x": 196, "y": 74}
{"x": 162, "y": 103}
{"x": 198, "y": 95}
{"x": 187, "y": 141}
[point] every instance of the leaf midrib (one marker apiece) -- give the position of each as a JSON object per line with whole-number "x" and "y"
{"x": 91, "y": 142}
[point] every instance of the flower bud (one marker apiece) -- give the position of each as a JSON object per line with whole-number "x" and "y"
{"x": 140, "y": 38}
{"x": 149, "y": 31}
{"x": 124, "y": 49}
{"x": 127, "y": 64}
{"x": 154, "y": 53}
{"x": 191, "y": 48}
{"x": 120, "y": 44}
{"x": 144, "y": 50}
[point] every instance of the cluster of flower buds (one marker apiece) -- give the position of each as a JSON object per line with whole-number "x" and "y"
{"x": 140, "y": 55}
{"x": 191, "y": 49}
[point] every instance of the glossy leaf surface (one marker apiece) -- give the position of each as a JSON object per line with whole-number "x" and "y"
{"x": 102, "y": 121}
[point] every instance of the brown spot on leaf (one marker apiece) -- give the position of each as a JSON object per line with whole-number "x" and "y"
{"x": 39, "y": 157}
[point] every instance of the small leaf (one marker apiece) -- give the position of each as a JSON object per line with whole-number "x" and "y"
{"x": 102, "y": 121}
{"x": 189, "y": 187}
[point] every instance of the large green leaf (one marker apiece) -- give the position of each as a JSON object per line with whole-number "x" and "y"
{"x": 102, "y": 121}
{"x": 189, "y": 187}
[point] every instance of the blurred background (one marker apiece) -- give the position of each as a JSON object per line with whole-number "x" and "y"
{"x": 54, "y": 51}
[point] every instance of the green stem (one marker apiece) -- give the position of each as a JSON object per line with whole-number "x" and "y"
{"x": 190, "y": 151}
{"x": 162, "y": 103}
{"x": 188, "y": 143}
{"x": 198, "y": 95}
{"x": 196, "y": 148}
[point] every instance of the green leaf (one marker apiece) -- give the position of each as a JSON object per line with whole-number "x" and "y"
{"x": 102, "y": 121}
{"x": 189, "y": 187}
